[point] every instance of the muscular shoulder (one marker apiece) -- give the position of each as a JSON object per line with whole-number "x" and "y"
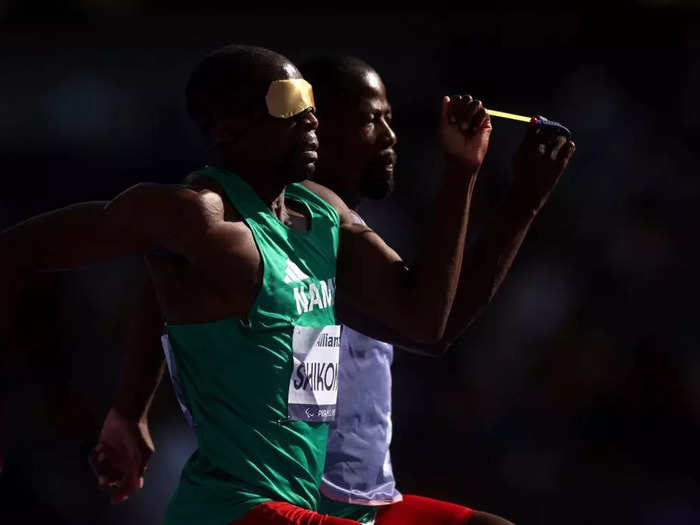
{"x": 169, "y": 216}
{"x": 229, "y": 236}
{"x": 170, "y": 200}
{"x": 333, "y": 199}
{"x": 203, "y": 183}
{"x": 227, "y": 250}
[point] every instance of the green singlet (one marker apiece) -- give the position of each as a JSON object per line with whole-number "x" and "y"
{"x": 254, "y": 445}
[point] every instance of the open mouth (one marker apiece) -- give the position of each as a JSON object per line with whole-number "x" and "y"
{"x": 387, "y": 160}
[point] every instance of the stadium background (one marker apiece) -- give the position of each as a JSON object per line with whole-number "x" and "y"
{"x": 574, "y": 399}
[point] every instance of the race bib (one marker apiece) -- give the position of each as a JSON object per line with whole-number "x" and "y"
{"x": 313, "y": 387}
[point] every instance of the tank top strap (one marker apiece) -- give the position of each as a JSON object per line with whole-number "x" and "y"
{"x": 318, "y": 205}
{"x": 239, "y": 193}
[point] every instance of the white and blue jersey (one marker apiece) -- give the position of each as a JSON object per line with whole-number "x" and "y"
{"x": 358, "y": 464}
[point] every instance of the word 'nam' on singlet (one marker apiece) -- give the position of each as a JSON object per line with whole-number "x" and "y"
{"x": 260, "y": 392}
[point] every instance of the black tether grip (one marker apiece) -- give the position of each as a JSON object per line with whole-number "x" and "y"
{"x": 552, "y": 124}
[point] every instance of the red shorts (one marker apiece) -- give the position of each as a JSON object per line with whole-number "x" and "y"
{"x": 413, "y": 510}
{"x": 417, "y": 510}
{"x": 281, "y": 513}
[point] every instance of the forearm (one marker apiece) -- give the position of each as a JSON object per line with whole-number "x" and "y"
{"x": 486, "y": 264}
{"x": 433, "y": 279}
{"x": 143, "y": 372}
{"x": 539, "y": 162}
{"x": 144, "y": 362}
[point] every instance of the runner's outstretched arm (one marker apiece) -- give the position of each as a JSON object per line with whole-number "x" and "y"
{"x": 538, "y": 164}
{"x": 415, "y": 302}
{"x": 144, "y": 216}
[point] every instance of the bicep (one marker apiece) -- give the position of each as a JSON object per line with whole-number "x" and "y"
{"x": 149, "y": 216}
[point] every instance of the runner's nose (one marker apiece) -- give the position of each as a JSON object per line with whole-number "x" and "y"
{"x": 389, "y": 137}
{"x": 309, "y": 119}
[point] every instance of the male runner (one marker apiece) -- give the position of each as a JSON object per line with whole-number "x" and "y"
{"x": 243, "y": 261}
{"x": 357, "y": 161}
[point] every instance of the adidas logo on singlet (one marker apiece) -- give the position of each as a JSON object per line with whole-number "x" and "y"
{"x": 293, "y": 274}
{"x": 315, "y": 296}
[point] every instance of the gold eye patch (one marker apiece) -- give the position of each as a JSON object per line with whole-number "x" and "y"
{"x": 287, "y": 98}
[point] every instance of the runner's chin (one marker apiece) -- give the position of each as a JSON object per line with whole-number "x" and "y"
{"x": 302, "y": 165}
{"x": 379, "y": 181}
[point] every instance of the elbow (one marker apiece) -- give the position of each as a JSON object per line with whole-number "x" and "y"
{"x": 439, "y": 349}
{"x": 427, "y": 332}
{"x": 436, "y": 349}
{"x": 429, "y": 336}
{"x": 421, "y": 326}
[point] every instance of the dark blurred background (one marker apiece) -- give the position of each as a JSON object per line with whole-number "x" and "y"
{"x": 574, "y": 399}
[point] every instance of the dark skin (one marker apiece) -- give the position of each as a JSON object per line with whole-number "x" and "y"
{"x": 366, "y": 169}
{"x": 356, "y": 153}
{"x": 357, "y": 156}
{"x": 538, "y": 164}
{"x": 357, "y": 160}
{"x": 211, "y": 245}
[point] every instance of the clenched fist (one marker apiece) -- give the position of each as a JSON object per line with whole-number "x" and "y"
{"x": 120, "y": 457}
{"x": 539, "y": 162}
{"x": 465, "y": 129}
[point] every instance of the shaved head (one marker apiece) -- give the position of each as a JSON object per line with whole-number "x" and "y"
{"x": 357, "y": 155}
{"x": 226, "y": 99}
{"x": 338, "y": 80}
{"x": 234, "y": 80}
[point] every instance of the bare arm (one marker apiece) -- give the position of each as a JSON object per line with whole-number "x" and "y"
{"x": 415, "y": 302}
{"x": 124, "y": 446}
{"x": 538, "y": 165}
{"x": 488, "y": 261}
{"x": 144, "y": 362}
{"x": 143, "y": 217}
